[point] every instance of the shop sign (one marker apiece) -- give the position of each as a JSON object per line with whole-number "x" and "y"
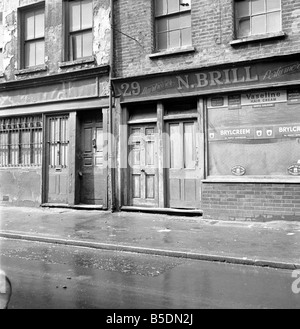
{"x": 262, "y": 98}
{"x": 238, "y": 170}
{"x": 217, "y": 102}
{"x": 216, "y": 79}
{"x": 234, "y": 102}
{"x": 288, "y": 131}
{"x": 231, "y": 133}
{"x": 294, "y": 170}
{"x": 293, "y": 96}
{"x": 262, "y": 132}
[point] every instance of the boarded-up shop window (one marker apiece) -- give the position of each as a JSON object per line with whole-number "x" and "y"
{"x": 259, "y": 132}
{"x": 21, "y": 142}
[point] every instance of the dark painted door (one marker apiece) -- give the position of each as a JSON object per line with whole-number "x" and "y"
{"x": 92, "y": 175}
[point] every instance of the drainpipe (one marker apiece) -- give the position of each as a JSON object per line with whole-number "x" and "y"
{"x": 110, "y": 139}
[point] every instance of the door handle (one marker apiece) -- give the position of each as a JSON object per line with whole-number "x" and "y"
{"x": 94, "y": 144}
{"x": 143, "y": 170}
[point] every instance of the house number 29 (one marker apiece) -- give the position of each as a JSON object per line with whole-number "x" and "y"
{"x": 131, "y": 89}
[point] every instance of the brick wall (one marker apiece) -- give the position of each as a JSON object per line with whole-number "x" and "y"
{"x": 253, "y": 202}
{"x": 213, "y": 30}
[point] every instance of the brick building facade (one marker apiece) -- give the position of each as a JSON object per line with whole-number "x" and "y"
{"x": 209, "y": 99}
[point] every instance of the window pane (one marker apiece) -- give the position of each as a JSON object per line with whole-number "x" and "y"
{"x": 29, "y": 54}
{"x": 74, "y": 15}
{"x": 87, "y": 44}
{"x": 174, "y": 39}
{"x": 40, "y": 53}
{"x": 76, "y": 45}
{"x": 39, "y": 23}
{"x": 242, "y": 8}
{"x": 273, "y": 5}
{"x": 244, "y": 28}
{"x": 86, "y": 14}
{"x": 161, "y": 7}
{"x": 14, "y": 148}
{"x": 174, "y": 23}
{"x": 173, "y": 6}
{"x": 185, "y": 20}
{"x": 259, "y": 24}
{"x": 29, "y": 26}
{"x": 258, "y": 7}
{"x": 274, "y": 22}
{"x": 25, "y": 147}
{"x": 162, "y": 41}
{"x": 162, "y": 25}
{"x": 186, "y": 37}
{"x": 184, "y": 5}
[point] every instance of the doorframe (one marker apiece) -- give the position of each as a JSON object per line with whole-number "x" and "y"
{"x": 161, "y": 123}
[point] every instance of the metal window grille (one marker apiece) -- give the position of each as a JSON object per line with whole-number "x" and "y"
{"x": 21, "y": 142}
{"x": 58, "y": 141}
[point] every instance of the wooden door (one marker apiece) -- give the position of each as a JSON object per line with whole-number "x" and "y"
{"x": 143, "y": 186}
{"x": 57, "y": 159}
{"x": 92, "y": 176}
{"x": 183, "y": 181}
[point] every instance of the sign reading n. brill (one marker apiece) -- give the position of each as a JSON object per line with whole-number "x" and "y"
{"x": 214, "y": 80}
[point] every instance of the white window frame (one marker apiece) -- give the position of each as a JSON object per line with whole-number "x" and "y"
{"x": 182, "y": 11}
{"x": 68, "y": 38}
{"x": 33, "y": 40}
{"x": 250, "y": 17}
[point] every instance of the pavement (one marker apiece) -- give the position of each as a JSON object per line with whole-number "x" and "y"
{"x": 273, "y": 244}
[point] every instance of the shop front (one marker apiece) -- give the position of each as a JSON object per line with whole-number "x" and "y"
{"x": 53, "y": 136}
{"x": 222, "y": 140}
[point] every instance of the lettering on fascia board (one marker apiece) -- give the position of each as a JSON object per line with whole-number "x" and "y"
{"x": 217, "y": 78}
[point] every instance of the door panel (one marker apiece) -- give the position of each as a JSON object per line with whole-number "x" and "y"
{"x": 57, "y": 159}
{"x": 183, "y": 181}
{"x": 142, "y": 166}
{"x": 92, "y": 175}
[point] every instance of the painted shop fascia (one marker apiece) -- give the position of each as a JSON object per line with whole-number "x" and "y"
{"x": 266, "y": 73}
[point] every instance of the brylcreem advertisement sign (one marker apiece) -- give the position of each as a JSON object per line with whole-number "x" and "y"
{"x": 258, "y": 132}
{"x": 207, "y": 80}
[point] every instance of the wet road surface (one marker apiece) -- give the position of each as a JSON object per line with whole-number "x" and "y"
{"x": 48, "y": 276}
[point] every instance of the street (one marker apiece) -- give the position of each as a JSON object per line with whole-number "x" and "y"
{"x": 49, "y": 276}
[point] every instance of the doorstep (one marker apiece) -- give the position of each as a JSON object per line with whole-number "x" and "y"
{"x": 77, "y": 206}
{"x": 170, "y": 211}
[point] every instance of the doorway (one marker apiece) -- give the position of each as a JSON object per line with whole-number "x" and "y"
{"x": 143, "y": 173}
{"x": 92, "y": 176}
{"x": 183, "y": 168}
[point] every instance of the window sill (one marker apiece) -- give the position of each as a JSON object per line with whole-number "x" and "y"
{"x": 253, "y": 179}
{"x": 175, "y": 51}
{"x": 86, "y": 60}
{"x": 30, "y": 70}
{"x": 260, "y": 37}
